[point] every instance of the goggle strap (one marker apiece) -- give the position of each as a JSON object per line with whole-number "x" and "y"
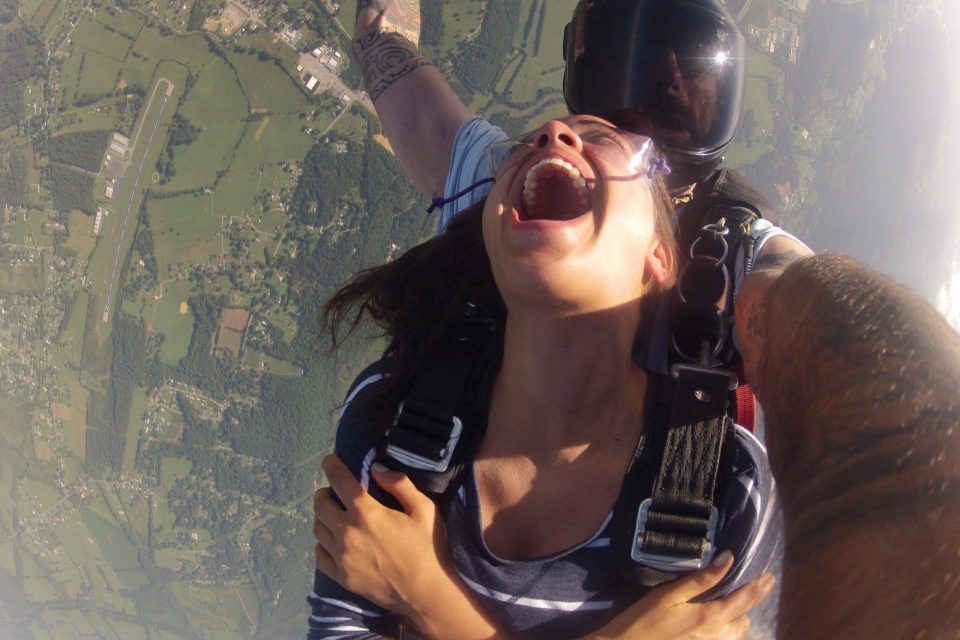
{"x": 440, "y": 201}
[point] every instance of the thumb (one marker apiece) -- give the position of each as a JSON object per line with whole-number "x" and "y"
{"x": 689, "y": 587}
{"x": 400, "y": 487}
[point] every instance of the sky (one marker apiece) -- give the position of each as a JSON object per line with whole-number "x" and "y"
{"x": 948, "y": 298}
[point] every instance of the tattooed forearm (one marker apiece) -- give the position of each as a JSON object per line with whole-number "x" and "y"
{"x": 860, "y": 386}
{"x": 384, "y": 59}
{"x": 776, "y": 261}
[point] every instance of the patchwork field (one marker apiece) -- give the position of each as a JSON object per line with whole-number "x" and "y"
{"x": 217, "y": 106}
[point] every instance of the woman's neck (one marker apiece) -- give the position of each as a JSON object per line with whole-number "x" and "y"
{"x": 567, "y": 382}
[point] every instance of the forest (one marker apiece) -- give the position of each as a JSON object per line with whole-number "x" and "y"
{"x": 13, "y": 181}
{"x": 21, "y": 58}
{"x": 326, "y": 180}
{"x": 84, "y": 149}
{"x": 479, "y": 64}
{"x": 69, "y": 189}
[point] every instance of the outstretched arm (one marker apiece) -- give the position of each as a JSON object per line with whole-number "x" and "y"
{"x": 420, "y": 112}
{"x": 860, "y": 385}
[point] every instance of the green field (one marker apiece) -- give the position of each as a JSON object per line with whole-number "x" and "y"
{"x": 191, "y": 51}
{"x": 215, "y": 609}
{"x": 138, "y": 406}
{"x": 267, "y": 87}
{"x": 217, "y": 106}
{"x": 129, "y": 23}
{"x": 184, "y": 230}
{"x": 99, "y": 74}
{"x": 164, "y": 316}
{"x": 280, "y": 139}
{"x": 763, "y": 75}
{"x": 90, "y": 35}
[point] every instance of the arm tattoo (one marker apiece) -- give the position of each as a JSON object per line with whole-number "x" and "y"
{"x": 384, "y": 59}
{"x": 776, "y": 261}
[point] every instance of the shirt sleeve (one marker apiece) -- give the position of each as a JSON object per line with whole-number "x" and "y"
{"x": 336, "y": 613}
{"x": 468, "y": 165}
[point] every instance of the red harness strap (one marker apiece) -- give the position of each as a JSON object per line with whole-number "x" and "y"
{"x": 746, "y": 407}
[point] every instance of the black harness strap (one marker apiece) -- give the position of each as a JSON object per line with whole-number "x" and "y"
{"x": 676, "y": 525}
{"x": 426, "y": 432}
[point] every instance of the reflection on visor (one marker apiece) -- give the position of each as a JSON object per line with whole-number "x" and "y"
{"x": 617, "y": 153}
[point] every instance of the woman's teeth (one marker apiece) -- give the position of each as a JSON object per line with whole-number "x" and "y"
{"x": 555, "y": 164}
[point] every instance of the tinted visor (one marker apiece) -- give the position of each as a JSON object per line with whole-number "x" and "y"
{"x": 671, "y": 69}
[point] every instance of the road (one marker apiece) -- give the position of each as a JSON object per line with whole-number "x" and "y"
{"x": 134, "y": 190}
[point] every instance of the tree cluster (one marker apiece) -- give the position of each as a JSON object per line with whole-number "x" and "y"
{"x": 479, "y": 65}
{"x": 13, "y": 182}
{"x": 21, "y": 58}
{"x": 326, "y": 180}
{"x": 431, "y": 22}
{"x": 84, "y": 149}
{"x": 70, "y": 189}
{"x": 182, "y": 132}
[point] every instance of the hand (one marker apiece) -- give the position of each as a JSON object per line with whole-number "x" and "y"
{"x": 667, "y": 611}
{"x": 389, "y": 557}
{"x": 402, "y": 16}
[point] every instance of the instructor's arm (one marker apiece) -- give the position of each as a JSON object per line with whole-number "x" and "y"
{"x": 859, "y": 380}
{"x": 420, "y": 112}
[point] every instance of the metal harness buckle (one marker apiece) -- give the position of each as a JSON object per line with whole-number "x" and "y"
{"x": 417, "y": 461}
{"x": 666, "y": 562}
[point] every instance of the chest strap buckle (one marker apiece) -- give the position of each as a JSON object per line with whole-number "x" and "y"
{"x": 423, "y": 441}
{"x": 660, "y": 529}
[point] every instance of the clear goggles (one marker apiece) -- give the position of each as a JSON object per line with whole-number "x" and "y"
{"x": 619, "y": 154}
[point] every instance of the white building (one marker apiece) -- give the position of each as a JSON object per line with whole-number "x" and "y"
{"x": 311, "y": 83}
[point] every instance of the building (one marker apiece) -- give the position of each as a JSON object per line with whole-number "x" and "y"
{"x": 311, "y": 83}
{"x": 98, "y": 220}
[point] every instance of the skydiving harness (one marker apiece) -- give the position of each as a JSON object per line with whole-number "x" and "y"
{"x": 669, "y": 522}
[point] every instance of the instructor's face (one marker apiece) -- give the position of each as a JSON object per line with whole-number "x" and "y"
{"x": 680, "y": 105}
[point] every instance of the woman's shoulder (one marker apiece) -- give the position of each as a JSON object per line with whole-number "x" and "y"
{"x": 359, "y": 427}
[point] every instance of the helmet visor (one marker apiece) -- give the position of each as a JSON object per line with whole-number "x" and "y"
{"x": 672, "y": 70}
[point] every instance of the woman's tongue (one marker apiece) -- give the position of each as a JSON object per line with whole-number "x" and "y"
{"x": 554, "y": 198}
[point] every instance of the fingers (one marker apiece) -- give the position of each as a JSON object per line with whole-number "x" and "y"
{"x": 343, "y": 483}
{"x": 738, "y": 603}
{"x": 739, "y": 629}
{"x": 689, "y": 587}
{"x": 326, "y": 510}
{"x": 402, "y": 488}
{"x": 325, "y": 563}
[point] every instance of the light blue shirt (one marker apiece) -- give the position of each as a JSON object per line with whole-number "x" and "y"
{"x": 468, "y": 165}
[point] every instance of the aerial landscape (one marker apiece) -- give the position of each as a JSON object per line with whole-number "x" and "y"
{"x": 184, "y": 182}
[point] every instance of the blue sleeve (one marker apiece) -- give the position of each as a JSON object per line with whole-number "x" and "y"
{"x": 468, "y": 165}
{"x": 335, "y": 612}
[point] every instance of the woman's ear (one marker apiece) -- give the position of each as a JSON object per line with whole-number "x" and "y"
{"x": 659, "y": 262}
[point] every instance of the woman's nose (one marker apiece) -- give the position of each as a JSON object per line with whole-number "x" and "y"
{"x": 557, "y": 133}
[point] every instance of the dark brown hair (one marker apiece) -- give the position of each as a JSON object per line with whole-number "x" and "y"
{"x": 415, "y": 298}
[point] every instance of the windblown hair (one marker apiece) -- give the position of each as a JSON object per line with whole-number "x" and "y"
{"x": 415, "y": 298}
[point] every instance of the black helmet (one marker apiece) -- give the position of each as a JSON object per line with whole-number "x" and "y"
{"x": 671, "y": 69}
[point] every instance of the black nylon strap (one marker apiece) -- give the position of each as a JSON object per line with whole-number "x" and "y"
{"x": 424, "y": 423}
{"x": 683, "y": 492}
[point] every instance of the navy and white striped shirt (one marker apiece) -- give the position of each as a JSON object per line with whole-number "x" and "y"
{"x": 563, "y": 595}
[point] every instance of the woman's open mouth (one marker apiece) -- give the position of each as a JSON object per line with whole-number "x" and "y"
{"x": 553, "y": 189}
